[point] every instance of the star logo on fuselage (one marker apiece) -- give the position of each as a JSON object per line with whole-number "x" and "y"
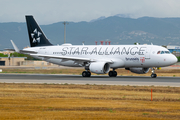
{"x": 36, "y": 36}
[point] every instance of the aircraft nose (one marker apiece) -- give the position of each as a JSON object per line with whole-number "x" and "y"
{"x": 173, "y": 59}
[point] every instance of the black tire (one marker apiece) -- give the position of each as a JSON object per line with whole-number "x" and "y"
{"x": 88, "y": 74}
{"x": 114, "y": 73}
{"x": 84, "y": 74}
{"x": 153, "y": 75}
{"x": 110, "y": 73}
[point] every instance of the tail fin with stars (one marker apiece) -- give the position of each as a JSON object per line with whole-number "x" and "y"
{"x": 36, "y": 35}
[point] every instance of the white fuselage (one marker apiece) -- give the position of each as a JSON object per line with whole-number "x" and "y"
{"x": 121, "y": 56}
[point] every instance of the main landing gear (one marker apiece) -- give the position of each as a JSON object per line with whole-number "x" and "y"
{"x": 153, "y": 75}
{"x": 112, "y": 73}
{"x": 86, "y": 74}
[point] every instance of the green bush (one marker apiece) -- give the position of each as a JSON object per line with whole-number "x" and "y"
{"x": 2, "y": 55}
{"x": 178, "y": 59}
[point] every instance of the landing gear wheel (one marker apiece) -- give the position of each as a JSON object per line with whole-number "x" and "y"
{"x": 86, "y": 74}
{"x": 112, "y": 73}
{"x": 153, "y": 75}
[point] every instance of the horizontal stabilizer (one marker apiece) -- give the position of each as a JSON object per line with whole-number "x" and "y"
{"x": 27, "y": 52}
{"x": 9, "y": 49}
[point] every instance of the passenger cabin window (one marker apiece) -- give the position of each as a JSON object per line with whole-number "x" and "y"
{"x": 163, "y": 52}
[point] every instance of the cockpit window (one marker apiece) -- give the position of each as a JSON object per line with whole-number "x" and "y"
{"x": 167, "y": 52}
{"x": 163, "y": 52}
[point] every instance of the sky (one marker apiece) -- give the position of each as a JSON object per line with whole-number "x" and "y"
{"x": 52, "y": 11}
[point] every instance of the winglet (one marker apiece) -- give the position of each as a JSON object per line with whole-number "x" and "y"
{"x": 15, "y": 47}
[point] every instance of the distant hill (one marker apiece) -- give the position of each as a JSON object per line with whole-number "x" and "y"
{"x": 118, "y": 30}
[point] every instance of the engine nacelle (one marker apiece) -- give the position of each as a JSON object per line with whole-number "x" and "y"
{"x": 99, "y": 67}
{"x": 138, "y": 70}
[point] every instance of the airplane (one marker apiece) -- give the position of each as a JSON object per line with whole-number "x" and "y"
{"x": 97, "y": 59}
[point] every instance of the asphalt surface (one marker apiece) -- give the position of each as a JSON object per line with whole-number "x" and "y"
{"x": 99, "y": 80}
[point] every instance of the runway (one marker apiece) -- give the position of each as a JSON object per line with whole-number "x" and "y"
{"x": 98, "y": 80}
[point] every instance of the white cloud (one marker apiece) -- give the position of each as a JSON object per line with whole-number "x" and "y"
{"x": 46, "y": 11}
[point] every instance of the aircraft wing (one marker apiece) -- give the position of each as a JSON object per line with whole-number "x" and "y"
{"x": 64, "y": 57}
{"x": 68, "y": 58}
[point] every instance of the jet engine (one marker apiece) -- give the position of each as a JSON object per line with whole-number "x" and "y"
{"x": 99, "y": 67}
{"x": 138, "y": 70}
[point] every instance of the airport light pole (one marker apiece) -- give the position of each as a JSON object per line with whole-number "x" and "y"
{"x": 65, "y": 30}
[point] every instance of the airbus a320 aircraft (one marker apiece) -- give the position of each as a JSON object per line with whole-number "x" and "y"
{"x": 96, "y": 58}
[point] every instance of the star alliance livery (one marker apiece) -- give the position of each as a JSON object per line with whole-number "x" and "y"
{"x": 96, "y": 58}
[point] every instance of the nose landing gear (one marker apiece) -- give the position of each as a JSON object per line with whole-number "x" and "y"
{"x": 153, "y": 75}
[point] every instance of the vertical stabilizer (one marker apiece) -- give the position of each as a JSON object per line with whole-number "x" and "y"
{"x": 36, "y": 35}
